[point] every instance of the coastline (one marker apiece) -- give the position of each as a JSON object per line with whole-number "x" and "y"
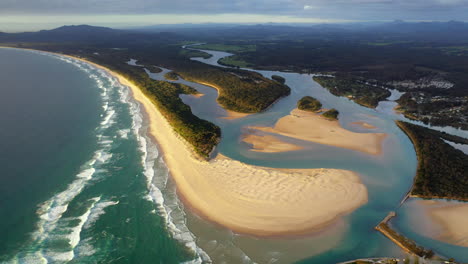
{"x": 252, "y": 200}
{"x": 262, "y": 142}
{"x": 258, "y": 201}
{"x": 314, "y": 128}
{"x": 230, "y": 114}
{"x": 449, "y": 218}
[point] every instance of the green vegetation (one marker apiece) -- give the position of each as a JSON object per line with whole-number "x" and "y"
{"x": 455, "y": 50}
{"x": 404, "y": 241}
{"x": 442, "y": 170}
{"x": 234, "y": 61}
{"x": 203, "y": 135}
{"x": 331, "y": 114}
{"x": 227, "y": 48}
{"x": 153, "y": 69}
{"x": 308, "y": 103}
{"x": 278, "y": 79}
{"x": 190, "y": 53}
{"x": 357, "y": 90}
{"x": 171, "y": 76}
{"x": 239, "y": 90}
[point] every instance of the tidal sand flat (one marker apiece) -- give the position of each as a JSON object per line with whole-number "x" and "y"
{"x": 250, "y": 199}
{"x": 268, "y": 143}
{"x": 315, "y": 128}
{"x": 363, "y": 125}
{"x": 451, "y": 219}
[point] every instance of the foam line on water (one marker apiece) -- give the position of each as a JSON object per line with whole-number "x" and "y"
{"x": 149, "y": 158}
{"x": 51, "y": 224}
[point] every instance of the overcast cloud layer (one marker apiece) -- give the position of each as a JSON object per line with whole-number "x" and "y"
{"x": 21, "y": 15}
{"x": 324, "y": 9}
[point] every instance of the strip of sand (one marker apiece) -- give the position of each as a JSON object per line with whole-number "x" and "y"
{"x": 363, "y": 125}
{"x": 451, "y": 218}
{"x": 230, "y": 114}
{"x": 268, "y": 144}
{"x": 249, "y": 199}
{"x": 315, "y": 128}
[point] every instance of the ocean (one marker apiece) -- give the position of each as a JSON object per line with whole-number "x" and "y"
{"x": 76, "y": 181}
{"x": 81, "y": 181}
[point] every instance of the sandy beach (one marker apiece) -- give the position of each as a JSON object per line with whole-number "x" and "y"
{"x": 253, "y": 200}
{"x": 450, "y": 218}
{"x": 363, "y": 125}
{"x": 268, "y": 143}
{"x": 315, "y": 128}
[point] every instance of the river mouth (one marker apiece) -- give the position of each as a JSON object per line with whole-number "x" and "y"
{"x": 387, "y": 177}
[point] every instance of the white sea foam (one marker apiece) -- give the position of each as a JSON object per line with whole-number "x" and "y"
{"x": 157, "y": 179}
{"x": 52, "y": 225}
{"x": 170, "y": 209}
{"x": 123, "y": 133}
{"x": 74, "y": 236}
{"x": 97, "y": 211}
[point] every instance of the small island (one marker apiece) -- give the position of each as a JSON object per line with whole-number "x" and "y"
{"x": 310, "y": 104}
{"x": 331, "y": 114}
{"x": 355, "y": 89}
{"x": 172, "y": 76}
{"x": 278, "y": 79}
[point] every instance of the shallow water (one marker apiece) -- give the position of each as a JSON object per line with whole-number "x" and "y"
{"x": 98, "y": 191}
{"x": 77, "y": 169}
{"x": 388, "y": 177}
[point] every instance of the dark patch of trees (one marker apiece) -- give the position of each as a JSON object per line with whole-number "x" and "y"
{"x": 308, "y": 103}
{"x": 331, "y": 114}
{"x": 442, "y": 169}
{"x": 360, "y": 92}
{"x": 278, "y": 79}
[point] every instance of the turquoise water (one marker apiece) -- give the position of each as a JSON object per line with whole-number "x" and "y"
{"x": 75, "y": 178}
{"x": 387, "y": 177}
{"x": 82, "y": 182}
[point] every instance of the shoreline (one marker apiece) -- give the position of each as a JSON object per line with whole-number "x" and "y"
{"x": 230, "y": 114}
{"x": 313, "y": 127}
{"x": 229, "y": 196}
{"x": 263, "y": 142}
{"x": 251, "y": 200}
{"x": 448, "y": 217}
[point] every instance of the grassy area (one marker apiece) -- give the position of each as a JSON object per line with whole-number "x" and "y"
{"x": 228, "y": 48}
{"x": 234, "y": 61}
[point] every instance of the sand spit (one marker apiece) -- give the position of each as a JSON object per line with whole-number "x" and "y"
{"x": 262, "y": 142}
{"x": 450, "y": 218}
{"x": 249, "y": 199}
{"x": 315, "y": 128}
{"x": 363, "y": 125}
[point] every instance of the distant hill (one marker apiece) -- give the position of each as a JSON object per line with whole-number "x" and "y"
{"x": 86, "y": 34}
{"x": 397, "y": 30}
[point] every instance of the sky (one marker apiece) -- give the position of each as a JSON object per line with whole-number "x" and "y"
{"x": 30, "y": 15}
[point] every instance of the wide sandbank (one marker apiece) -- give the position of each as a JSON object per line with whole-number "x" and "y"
{"x": 249, "y": 199}
{"x": 262, "y": 142}
{"x": 450, "y": 219}
{"x": 313, "y": 127}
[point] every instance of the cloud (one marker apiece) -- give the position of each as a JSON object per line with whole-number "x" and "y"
{"x": 320, "y": 9}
